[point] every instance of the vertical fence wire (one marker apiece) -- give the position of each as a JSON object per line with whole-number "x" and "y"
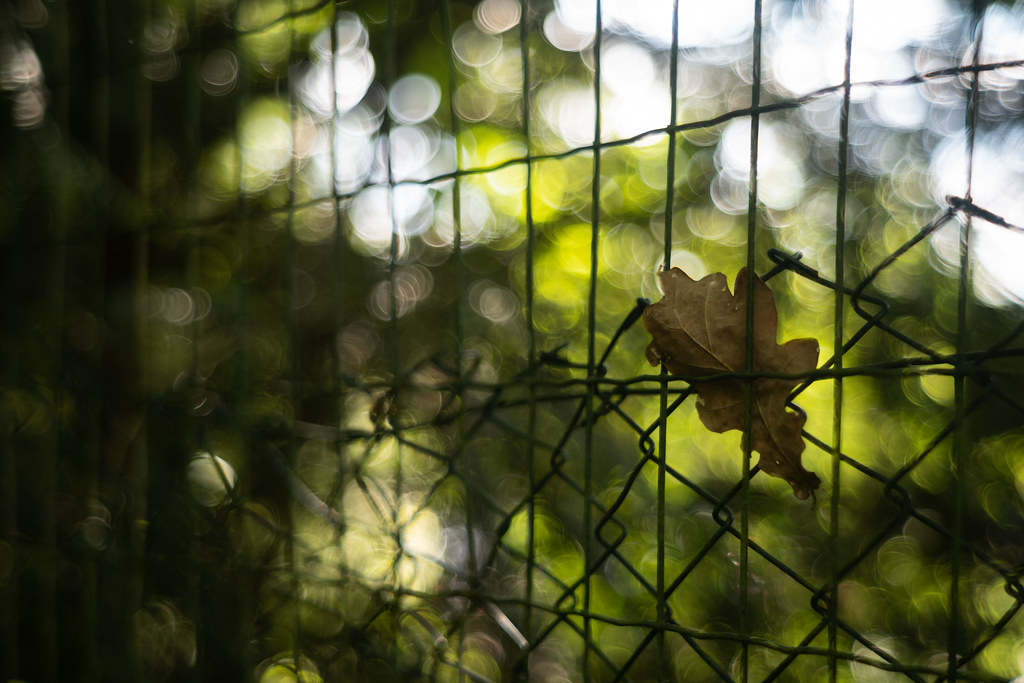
{"x": 395, "y": 250}
{"x": 838, "y": 344}
{"x": 336, "y": 493}
{"x": 667, "y": 239}
{"x": 471, "y": 573}
{"x": 592, "y": 371}
{"x": 531, "y": 331}
{"x": 748, "y": 388}
{"x": 963, "y": 341}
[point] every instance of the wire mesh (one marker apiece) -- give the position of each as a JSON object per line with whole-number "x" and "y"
{"x": 283, "y": 403}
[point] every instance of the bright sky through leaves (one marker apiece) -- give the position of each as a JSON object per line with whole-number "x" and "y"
{"x": 804, "y": 51}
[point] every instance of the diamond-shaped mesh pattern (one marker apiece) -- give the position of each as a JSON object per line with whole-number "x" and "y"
{"x": 351, "y": 386}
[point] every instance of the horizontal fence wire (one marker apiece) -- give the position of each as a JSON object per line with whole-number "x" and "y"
{"x": 243, "y": 441}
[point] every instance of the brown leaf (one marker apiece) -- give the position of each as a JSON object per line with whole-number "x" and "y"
{"x": 699, "y": 329}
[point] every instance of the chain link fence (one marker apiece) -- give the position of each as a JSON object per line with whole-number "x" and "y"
{"x": 322, "y": 354}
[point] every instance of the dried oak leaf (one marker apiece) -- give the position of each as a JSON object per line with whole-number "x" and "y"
{"x": 699, "y": 329}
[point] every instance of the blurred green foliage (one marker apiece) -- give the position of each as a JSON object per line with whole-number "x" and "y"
{"x": 300, "y": 359}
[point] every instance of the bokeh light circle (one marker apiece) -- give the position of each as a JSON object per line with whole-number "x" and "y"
{"x": 414, "y": 98}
